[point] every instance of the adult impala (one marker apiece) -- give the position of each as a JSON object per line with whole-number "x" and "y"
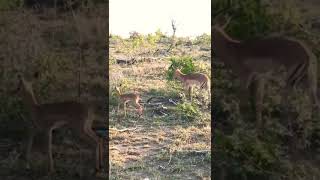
{"x": 255, "y": 60}
{"x": 47, "y": 117}
{"x": 193, "y": 79}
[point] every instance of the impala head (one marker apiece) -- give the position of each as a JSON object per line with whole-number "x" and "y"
{"x": 117, "y": 90}
{"x": 23, "y": 83}
{"x": 177, "y": 74}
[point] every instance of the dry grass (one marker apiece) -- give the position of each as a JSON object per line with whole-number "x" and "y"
{"x": 155, "y": 147}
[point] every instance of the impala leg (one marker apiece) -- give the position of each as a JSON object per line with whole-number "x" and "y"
{"x": 185, "y": 89}
{"x": 88, "y": 135}
{"x": 118, "y": 108}
{"x": 252, "y": 90}
{"x": 139, "y": 107}
{"x": 244, "y": 94}
{"x": 93, "y": 140}
{"x": 101, "y": 152}
{"x": 125, "y": 109}
{"x": 49, "y": 151}
{"x": 259, "y": 101}
{"x": 31, "y": 135}
{"x": 98, "y": 165}
{"x": 99, "y": 147}
{"x": 96, "y": 140}
{"x": 313, "y": 91}
{"x": 206, "y": 88}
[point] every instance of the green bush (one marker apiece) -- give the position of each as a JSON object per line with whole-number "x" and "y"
{"x": 153, "y": 39}
{"x": 188, "y": 111}
{"x": 249, "y": 18}
{"x": 10, "y": 4}
{"x": 185, "y": 64}
{"x": 204, "y": 39}
{"x": 13, "y": 117}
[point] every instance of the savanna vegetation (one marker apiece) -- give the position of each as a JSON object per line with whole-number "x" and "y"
{"x": 172, "y": 139}
{"x": 68, "y": 47}
{"x": 240, "y": 151}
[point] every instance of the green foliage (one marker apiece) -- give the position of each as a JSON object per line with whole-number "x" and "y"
{"x": 113, "y": 98}
{"x": 185, "y": 64}
{"x": 188, "y": 111}
{"x": 250, "y": 18}
{"x": 204, "y": 39}
{"x": 136, "y": 41}
{"x": 153, "y": 39}
{"x": 53, "y": 69}
{"x": 113, "y": 37}
{"x": 10, "y": 4}
{"x": 11, "y": 114}
{"x": 14, "y": 4}
{"x": 111, "y": 60}
{"x": 159, "y": 34}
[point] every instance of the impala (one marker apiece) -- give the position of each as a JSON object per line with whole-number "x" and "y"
{"x": 129, "y": 97}
{"x": 47, "y": 117}
{"x": 191, "y": 80}
{"x": 255, "y": 60}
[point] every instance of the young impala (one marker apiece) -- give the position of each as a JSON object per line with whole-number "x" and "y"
{"x": 191, "y": 80}
{"x": 129, "y": 97}
{"x": 47, "y": 117}
{"x": 256, "y": 59}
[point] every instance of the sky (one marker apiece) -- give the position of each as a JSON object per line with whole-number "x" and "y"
{"x": 192, "y": 17}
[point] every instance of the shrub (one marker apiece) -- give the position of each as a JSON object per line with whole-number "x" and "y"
{"x": 185, "y": 64}
{"x": 204, "y": 39}
{"x": 188, "y": 111}
{"x": 10, "y": 4}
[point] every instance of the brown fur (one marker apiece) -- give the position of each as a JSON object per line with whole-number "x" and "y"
{"x": 129, "y": 97}
{"x": 190, "y": 80}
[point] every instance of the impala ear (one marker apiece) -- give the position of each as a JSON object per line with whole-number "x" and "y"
{"x": 19, "y": 76}
{"x": 16, "y": 90}
{"x": 36, "y": 75}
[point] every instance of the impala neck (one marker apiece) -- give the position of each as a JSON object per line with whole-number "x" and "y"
{"x": 118, "y": 92}
{"x": 28, "y": 96}
{"x": 180, "y": 75}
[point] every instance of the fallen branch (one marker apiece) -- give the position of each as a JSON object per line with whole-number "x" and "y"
{"x": 123, "y": 130}
{"x": 194, "y": 151}
{"x": 154, "y": 97}
{"x": 127, "y": 62}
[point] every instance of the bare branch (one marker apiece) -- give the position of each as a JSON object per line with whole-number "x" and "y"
{"x": 174, "y": 28}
